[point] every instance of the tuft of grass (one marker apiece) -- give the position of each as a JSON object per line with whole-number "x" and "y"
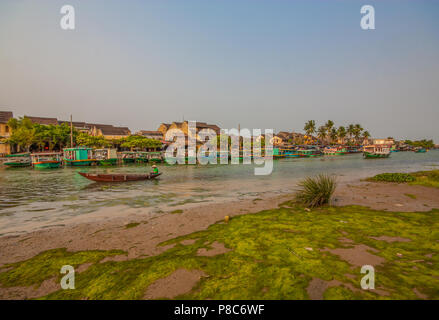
{"x": 177, "y": 211}
{"x": 411, "y": 196}
{"x": 393, "y": 177}
{"x": 316, "y": 191}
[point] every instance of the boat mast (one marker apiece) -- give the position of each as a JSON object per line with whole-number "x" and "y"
{"x": 71, "y": 132}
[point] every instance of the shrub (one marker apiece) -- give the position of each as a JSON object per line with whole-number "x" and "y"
{"x": 394, "y": 177}
{"x": 316, "y": 191}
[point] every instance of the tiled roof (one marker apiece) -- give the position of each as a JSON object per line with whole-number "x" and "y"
{"x": 44, "y": 121}
{"x": 5, "y": 116}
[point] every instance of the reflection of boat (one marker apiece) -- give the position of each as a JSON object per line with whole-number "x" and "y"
{"x": 118, "y": 177}
{"x": 18, "y": 160}
{"x": 79, "y": 156}
{"x": 48, "y": 160}
{"x": 376, "y": 151}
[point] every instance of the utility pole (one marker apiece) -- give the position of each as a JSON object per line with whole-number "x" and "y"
{"x": 71, "y": 132}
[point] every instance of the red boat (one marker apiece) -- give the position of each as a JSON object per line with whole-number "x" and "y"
{"x": 119, "y": 177}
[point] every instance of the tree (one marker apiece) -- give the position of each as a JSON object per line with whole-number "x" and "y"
{"x": 310, "y": 127}
{"x": 139, "y": 142}
{"x": 333, "y": 135}
{"x": 321, "y": 133}
{"x": 329, "y": 125}
{"x": 341, "y": 133}
{"x": 350, "y": 131}
{"x": 357, "y": 132}
{"x": 85, "y": 140}
{"x": 23, "y": 133}
{"x": 366, "y": 135}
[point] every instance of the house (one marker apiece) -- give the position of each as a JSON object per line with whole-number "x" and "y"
{"x": 388, "y": 141}
{"x": 108, "y": 131}
{"x": 184, "y": 126}
{"x": 5, "y": 132}
{"x": 80, "y": 126}
{"x": 156, "y": 135}
{"x": 43, "y": 121}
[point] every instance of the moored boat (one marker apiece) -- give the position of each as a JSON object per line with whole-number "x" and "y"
{"x": 106, "y": 157}
{"x": 376, "y": 151}
{"x": 118, "y": 177}
{"x": 19, "y": 160}
{"x": 334, "y": 151}
{"x": 79, "y": 156}
{"x": 47, "y": 160}
{"x": 421, "y": 150}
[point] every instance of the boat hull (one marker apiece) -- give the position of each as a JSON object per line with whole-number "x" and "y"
{"x": 107, "y": 162}
{"x": 47, "y": 165}
{"x": 79, "y": 163}
{"x": 118, "y": 177}
{"x": 17, "y": 164}
{"x": 368, "y": 155}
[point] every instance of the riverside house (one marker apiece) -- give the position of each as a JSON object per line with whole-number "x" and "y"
{"x": 184, "y": 126}
{"x": 5, "y": 132}
{"x": 156, "y": 135}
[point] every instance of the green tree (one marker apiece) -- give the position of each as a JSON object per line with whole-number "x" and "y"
{"x": 321, "y": 133}
{"x": 334, "y": 135}
{"x": 23, "y": 133}
{"x": 341, "y": 131}
{"x": 310, "y": 127}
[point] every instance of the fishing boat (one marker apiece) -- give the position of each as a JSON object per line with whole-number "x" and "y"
{"x": 290, "y": 152}
{"x": 106, "y": 157}
{"x": 79, "y": 156}
{"x": 420, "y": 150}
{"x": 18, "y": 160}
{"x": 118, "y": 177}
{"x": 154, "y": 156}
{"x": 334, "y": 151}
{"x": 376, "y": 151}
{"x": 48, "y": 160}
{"x": 309, "y": 152}
{"x": 277, "y": 153}
{"x": 129, "y": 157}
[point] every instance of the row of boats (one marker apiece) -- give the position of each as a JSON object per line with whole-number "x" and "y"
{"x": 80, "y": 156}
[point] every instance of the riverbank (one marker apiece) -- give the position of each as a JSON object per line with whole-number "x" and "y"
{"x": 270, "y": 249}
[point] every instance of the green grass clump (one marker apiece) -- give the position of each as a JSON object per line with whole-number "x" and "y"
{"x": 427, "y": 178}
{"x": 411, "y": 196}
{"x": 394, "y": 177}
{"x": 177, "y": 211}
{"x": 316, "y": 191}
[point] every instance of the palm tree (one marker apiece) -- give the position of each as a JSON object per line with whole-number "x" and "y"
{"x": 329, "y": 125}
{"x": 366, "y": 135}
{"x": 357, "y": 132}
{"x": 334, "y": 135}
{"x": 310, "y": 127}
{"x": 350, "y": 131}
{"x": 321, "y": 133}
{"x": 341, "y": 133}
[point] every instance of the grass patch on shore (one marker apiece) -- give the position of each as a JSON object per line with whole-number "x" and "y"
{"x": 47, "y": 265}
{"x": 423, "y": 178}
{"x": 132, "y": 225}
{"x": 269, "y": 258}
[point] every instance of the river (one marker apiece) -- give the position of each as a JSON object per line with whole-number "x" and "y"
{"x": 33, "y": 199}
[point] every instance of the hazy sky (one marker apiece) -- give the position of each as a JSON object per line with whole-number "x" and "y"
{"x": 260, "y": 63}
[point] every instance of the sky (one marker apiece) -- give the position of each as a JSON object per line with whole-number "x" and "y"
{"x": 257, "y": 63}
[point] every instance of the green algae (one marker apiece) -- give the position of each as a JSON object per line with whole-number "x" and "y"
{"x": 132, "y": 225}
{"x": 269, "y": 258}
{"x": 48, "y": 264}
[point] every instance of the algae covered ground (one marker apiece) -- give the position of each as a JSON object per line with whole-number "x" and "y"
{"x": 273, "y": 254}
{"x": 422, "y": 178}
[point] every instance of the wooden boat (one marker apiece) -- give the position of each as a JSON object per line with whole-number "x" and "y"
{"x": 79, "y": 156}
{"x": 376, "y": 151}
{"x": 118, "y": 177}
{"x": 18, "y": 160}
{"x": 128, "y": 157}
{"x": 421, "y": 150}
{"x": 106, "y": 157}
{"x": 48, "y": 160}
{"x": 309, "y": 152}
{"x": 334, "y": 151}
